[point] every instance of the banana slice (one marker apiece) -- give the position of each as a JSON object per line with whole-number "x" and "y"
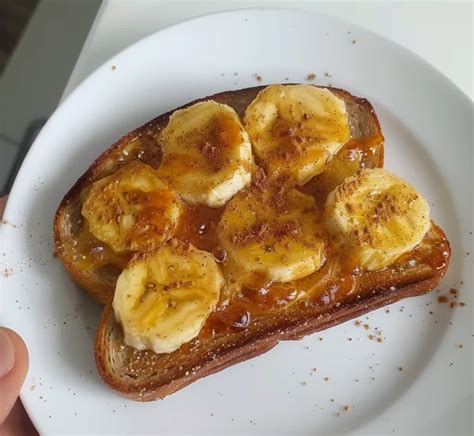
{"x": 207, "y": 155}
{"x": 376, "y": 217}
{"x": 296, "y": 129}
{"x": 131, "y": 209}
{"x": 273, "y": 233}
{"x": 162, "y": 299}
{"x": 336, "y": 171}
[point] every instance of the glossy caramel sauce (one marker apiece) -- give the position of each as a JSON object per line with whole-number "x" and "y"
{"x": 241, "y": 304}
{"x": 224, "y": 133}
{"x": 198, "y": 226}
{"x": 89, "y": 253}
{"x": 144, "y": 148}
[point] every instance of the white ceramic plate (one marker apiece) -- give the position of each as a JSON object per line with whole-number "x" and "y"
{"x": 427, "y": 124}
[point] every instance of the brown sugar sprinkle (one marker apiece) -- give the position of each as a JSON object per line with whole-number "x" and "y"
{"x": 320, "y": 338}
{"x": 453, "y": 304}
{"x": 354, "y": 41}
{"x": 326, "y": 378}
{"x": 260, "y": 179}
{"x": 371, "y": 337}
{"x": 400, "y": 368}
{"x": 366, "y": 326}
{"x": 453, "y": 291}
{"x": 311, "y": 76}
{"x": 261, "y": 231}
{"x": 462, "y": 304}
{"x": 357, "y": 323}
{"x": 180, "y": 284}
{"x": 258, "y": 77}
{"x": 442, "y": 299}
{"x": 114, "y": 67}
{"x": 278, "y": 200}
{"x": 461, "y": 346}
{"x": 4, "y": 221}
{"x": 33, "y": 387}
{"x": 347, "y": 408}
{"x": 7, "y": 272}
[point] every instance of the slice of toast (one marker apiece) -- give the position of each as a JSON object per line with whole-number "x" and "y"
{"x": 144, "y": 375}
{"x": 99, "y": 281}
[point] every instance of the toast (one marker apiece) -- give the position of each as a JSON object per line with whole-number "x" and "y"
{"x": 144, "y": 375}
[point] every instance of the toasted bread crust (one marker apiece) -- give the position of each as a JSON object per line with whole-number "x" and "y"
{"x": 99, "y": 286}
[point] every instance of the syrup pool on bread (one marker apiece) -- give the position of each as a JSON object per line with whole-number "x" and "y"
{"x": 277, "y": 241}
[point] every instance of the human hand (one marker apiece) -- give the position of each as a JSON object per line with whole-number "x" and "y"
{"x": 13, "y": 368}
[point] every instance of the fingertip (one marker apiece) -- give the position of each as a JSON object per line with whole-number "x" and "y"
{"x": 13, "y": 378}
{"x": 7, "y": 353}
{"x": 21, "y": 358}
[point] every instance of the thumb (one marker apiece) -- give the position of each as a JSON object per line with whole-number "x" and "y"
{"x": 13, "y": 368}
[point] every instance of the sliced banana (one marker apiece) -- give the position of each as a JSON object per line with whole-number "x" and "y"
{"x": 162, "y": 299}
{"x": 376, "y": 217}
{"x": 273, "y": 233}
{"x": 131, "y": 209}
{"x": 207, "y": 155}
{"x": 342, "y": 165}
{"x": 296, "y": 129}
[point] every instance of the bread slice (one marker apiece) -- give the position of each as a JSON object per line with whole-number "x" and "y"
{"x": 141, "y": 143}
{"x": 144, "y": 375}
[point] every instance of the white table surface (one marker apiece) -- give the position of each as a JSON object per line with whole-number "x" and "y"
{"x": 440, "y": 32}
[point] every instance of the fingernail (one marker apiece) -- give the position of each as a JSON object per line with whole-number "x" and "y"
{"x": 7, "y": 354}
